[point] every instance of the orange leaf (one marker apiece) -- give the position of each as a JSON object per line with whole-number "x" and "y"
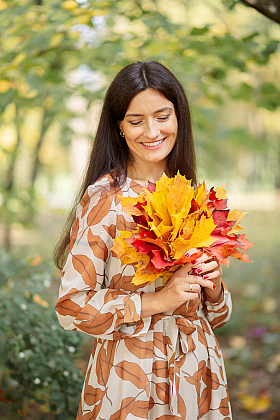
{"x": 129, "y": 203}
{"x": 98, "y": 246}
{"x": 162, "y": 390}
{"x": 140, "y": 349}
{"x": 201, "y": 194}
{"x": 129, "y": 371}
{"x": 126, "y": 253}
{"x": 126, "y": 407}
{"x": 92, "y": 395}
{"x": 160, "y": 368}
{"x": 221, "y": 192}
{"x": 140, "y": 409}
{"x": 85, "y": 267}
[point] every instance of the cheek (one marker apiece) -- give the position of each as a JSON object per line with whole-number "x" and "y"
{"x": 130, "y": 140}
{"x": 172, "y": 127}
{"x": 132, "y": 135}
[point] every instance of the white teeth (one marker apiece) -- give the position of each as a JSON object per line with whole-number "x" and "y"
{"x": 155, "y": 143}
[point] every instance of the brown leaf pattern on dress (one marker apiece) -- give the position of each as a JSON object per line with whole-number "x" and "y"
{"x": 98, "y": 246}
{"x": 132, "y": 372}
{"x": 111, "y": 230}
{"x": 139, "y": 348}
{"x": 163, "y": 367}
{"x": 85, "y": 267}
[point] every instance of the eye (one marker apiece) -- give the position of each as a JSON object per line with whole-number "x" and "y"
{"x": 135, "y": 122}
{"x": 163, "y": 118}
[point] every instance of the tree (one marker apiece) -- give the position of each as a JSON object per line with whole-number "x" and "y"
{"x": 269, "y": 8}
{"x": 52, "y": 50}
{"x": 39, "y": 46}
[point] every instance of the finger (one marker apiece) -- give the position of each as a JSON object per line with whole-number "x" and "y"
{"x": 199, "y": 280}
{"x": 194, "y": 288}
{"x": 206, "y": 267}
{"x": 206, "y": 257}
{"x": 184, "y": 269}
{"x": 201, "y": 260}
{"x": 193, "y": 252}
{"x": 213, "y": 275}
{"x": 191, "y": 296}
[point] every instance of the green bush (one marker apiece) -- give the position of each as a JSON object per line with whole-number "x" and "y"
{"x": 36, "y": 354}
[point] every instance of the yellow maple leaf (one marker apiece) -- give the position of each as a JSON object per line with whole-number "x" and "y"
{"x": 127, "y": 253}
{"x": 235, "y": 216}
{"x": 188, "y": 226}
{"x": 221, "y": 192}
{"x": 236, "y": 228}
{"x": 163, "y": 184}
{"x": 200, "y": 237}
{"x": 164, "y": 231}
{"x": 201, "y": 194}
{"x": 180, "y": 195}
{"x": 202, "y": 233}
{"x": 156, "y": 208}
{"x": 143, "y": 277}
{"x": 128, "y": 204}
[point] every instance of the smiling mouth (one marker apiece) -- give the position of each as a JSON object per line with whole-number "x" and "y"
{"x": 155, "y": 143}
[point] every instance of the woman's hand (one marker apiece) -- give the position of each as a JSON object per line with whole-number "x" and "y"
{"x": 183, "y": 286}
{"x": 186, "y": 284}
{"x": 209, "y": 269}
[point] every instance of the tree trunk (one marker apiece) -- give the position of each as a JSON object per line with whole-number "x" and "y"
{"x": 36, "y": 164}
{"x": 10, "y": 181}
{"x": 269, "y": 8}
{"x": 7, "y": 237}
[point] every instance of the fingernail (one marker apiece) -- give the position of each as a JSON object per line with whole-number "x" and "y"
{"x": 205, "y": 277}
{"x": 199, "y": 270}
{"x": 187, "y": 255}
{"x": 214, "y": 286}
{"x": 193, "y": 262}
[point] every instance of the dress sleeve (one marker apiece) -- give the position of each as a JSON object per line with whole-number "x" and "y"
{"x": 218, "y": 313}
{"x": 85, "y": 303}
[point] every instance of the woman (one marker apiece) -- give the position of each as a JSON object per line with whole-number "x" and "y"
{"x": 155, "y": 355}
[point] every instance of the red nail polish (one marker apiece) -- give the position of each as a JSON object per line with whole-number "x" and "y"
{"x": 214, "y": 286}
{"x": 187, "y": 255}
{"x": 205, "y": 277}
{"x": 193, "y": 262}
{"x": 199, "y": 270}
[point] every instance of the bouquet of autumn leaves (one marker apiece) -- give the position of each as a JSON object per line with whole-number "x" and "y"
{"x": 172, "y": 218}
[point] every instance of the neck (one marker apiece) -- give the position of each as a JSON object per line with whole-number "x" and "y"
{"x": 148, "y": 173}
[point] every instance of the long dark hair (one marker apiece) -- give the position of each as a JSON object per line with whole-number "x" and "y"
{"x": 110, "y": 153}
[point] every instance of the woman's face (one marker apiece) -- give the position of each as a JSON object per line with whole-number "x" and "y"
{"x": 150, "y": 127}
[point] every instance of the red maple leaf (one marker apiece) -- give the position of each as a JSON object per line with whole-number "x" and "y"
{"x": 151, "y": 186}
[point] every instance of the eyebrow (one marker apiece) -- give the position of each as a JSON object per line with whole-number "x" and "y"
{"x": 156, "y": 112}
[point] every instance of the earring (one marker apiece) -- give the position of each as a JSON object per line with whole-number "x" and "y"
{"x": 121, "y": 133}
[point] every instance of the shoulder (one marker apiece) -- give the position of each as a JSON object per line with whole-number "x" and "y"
{"x": 102, "y": 194}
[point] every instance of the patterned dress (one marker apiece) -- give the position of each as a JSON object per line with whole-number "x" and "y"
{"x": 161, "y": 367}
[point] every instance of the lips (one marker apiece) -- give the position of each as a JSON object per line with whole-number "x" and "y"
{"x": 154, "y": 143}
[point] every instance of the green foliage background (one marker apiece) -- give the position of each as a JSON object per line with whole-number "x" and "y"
{"x": 56, "y": 60}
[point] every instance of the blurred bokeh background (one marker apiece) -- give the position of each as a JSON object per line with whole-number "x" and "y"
{"x": 56, "y": 60}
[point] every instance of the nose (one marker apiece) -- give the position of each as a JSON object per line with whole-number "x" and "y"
{"x": 152, "y": 130}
